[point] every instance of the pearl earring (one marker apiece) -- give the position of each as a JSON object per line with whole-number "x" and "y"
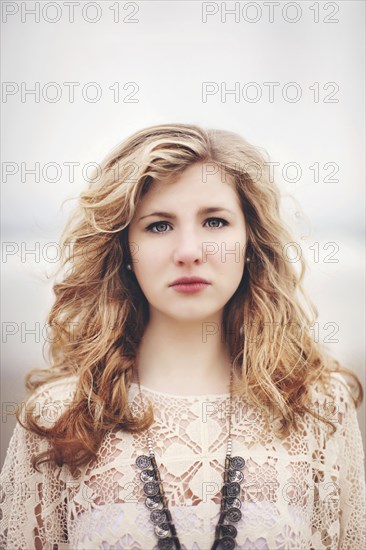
{"x": 129, "y": 267}
{"x": 247, "y": 259}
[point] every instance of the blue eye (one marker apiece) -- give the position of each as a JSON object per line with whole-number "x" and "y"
{"x": 156, "y": 224}
{"x": 153, "y": 225}
{"x": 224, "y": 222}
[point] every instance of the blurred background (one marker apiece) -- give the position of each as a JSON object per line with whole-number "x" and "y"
{"x": 80, "y": 77}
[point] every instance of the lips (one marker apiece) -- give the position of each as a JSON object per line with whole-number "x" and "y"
{"x": 189, "y": 280}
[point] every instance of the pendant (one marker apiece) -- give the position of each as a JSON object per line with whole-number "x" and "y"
{"x": 147, "y": 475}
{"x": 151, "y": 488}
{"x": 153, "y": 502}
{"x": 232, "y": 502}
{"x": 235, "y": 475}
{"x": 158, "y": 517}
{"x": 233, "y": 514}
{"x": 143, "y": 461}
{"x": 229, "y": 531}
{"x": 227, "y": 543}
{"x": 231, "y": 489}
{"x": 237, "y": 462}
{"x": 162, "y": 530}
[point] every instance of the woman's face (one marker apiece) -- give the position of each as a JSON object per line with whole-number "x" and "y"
{"x": 189, "y": 243}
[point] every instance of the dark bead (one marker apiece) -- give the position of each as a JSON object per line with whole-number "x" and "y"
{"x": 162, "y": 530}
{"x": 165, "y": 544}
{"x": 235, "y": 475}
{"x": 231, "y": 489}
{"x": 158, "y": 517}
{"x": 143, "y": 461}
{"x": 229, "y": 531}
{"x": 227, "y": 543}
{"x": 237, "y": 462}
{"x": 233, "y": 514}
{"x": 151, "y": 488}
{"x": 153, "y": 502}
{"x": 232, "y": 502}
{"x": 147, "y": 475}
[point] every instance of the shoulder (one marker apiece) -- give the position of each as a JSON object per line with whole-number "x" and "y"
{"x": 335, "y": 399}
{"x": 50, "y": 400}
{"x": 334, "y": 387}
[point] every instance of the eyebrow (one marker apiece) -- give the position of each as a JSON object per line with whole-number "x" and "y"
{"x": 206, "y": 210}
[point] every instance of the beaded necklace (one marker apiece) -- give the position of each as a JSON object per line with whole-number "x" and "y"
{"x": 157, "y": 502}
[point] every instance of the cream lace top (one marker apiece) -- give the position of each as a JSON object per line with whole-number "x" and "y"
{"x": 304, "y": 492}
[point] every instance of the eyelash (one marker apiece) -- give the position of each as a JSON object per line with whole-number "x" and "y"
{"x": 152, "y": 225}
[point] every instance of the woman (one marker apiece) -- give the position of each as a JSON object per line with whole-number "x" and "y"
{"x": 187, "y": 405}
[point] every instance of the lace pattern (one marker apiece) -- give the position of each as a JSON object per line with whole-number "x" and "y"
{"x": 303, "y": 492}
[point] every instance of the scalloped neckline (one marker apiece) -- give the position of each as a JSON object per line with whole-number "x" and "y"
{"x": 176, "y": 396}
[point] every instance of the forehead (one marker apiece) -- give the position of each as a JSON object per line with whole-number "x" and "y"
{"x": 201, "y": 182}
{"x": 204, "y": 172}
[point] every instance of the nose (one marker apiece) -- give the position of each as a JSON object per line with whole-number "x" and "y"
{"x": 188, "y": 248}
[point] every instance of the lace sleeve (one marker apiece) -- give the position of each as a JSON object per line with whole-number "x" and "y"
{"x": 33, "y": 504}
{"x": 33, "y": 510}
{"x": 351, "y": 478}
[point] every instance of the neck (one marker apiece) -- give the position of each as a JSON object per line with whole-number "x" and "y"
{"x": 184, "y": 357}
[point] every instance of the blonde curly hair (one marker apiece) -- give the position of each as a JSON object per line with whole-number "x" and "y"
{"x": 100, "y": 313}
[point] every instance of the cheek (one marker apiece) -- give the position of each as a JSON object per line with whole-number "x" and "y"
{"x": 142, "y": 252}
{"x": 232, "y": 270}
{"x": 229, "y": 258}
{"x": 148, "y": 265}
